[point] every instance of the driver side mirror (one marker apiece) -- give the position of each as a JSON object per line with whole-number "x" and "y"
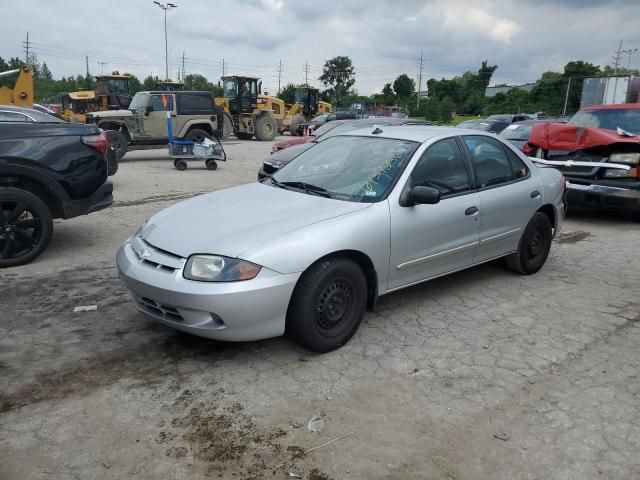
{"x": 148, "y": 109}
{"x": 419, "y": 195}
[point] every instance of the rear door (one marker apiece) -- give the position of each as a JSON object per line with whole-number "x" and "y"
{"x": 509, "y": 195}
{"x": 431, "y": 240}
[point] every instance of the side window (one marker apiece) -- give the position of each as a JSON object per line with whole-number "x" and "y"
{"x": 195, "y": 104}
{"x": 492, "y": 163}
{"x": 13, "y": 117}
{"x": 156, "y": 103}
{"x": 442, "y": 167}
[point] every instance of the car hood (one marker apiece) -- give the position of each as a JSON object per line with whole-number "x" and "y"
{"x": 294, "y": 141}
{"x": 232, "y": 221}
{"x": 567, "y": 136}
{"x": 282, "y": 157}
{"x": 112, "y": 114}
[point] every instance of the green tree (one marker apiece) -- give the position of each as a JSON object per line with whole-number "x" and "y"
{"x": 339, "y": 75}
{"x": 388, "y": 95}
{"x": 404, "y": 87}
{"x": 135, "y": 85}
{"x": 287, "y": 93}
{"x": 149, "y": 83}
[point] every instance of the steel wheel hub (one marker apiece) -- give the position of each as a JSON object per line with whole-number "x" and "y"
{"x": 333, "y": 305}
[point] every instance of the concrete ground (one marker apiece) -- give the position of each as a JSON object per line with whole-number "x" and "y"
{"x": 480, "y": 375}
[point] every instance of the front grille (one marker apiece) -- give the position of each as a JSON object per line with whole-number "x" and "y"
{"x": 152, "y": 257}
{"x": 562, "y": 156}
{"x": 157, "y": 309}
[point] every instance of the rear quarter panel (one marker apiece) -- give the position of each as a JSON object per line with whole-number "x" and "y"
{"x": 55, "y": 150}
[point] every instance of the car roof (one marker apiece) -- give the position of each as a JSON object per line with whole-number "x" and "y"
{"x": 616, "y": 106}
{"x": 37, "y": 115}
{"x": 416, "y": 133}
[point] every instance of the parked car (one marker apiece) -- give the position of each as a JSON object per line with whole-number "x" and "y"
{"x": 289, "y": 142}
{"x": 321, "y": 119}
{"x": 278, "y": 159}
{"x": 358, "y": 216}
{"x": 48, "y": 169}
{"x": 518, "y": 133}
{"x": 194, "y": 117}
{"x": 509, "y": 117}
{"x": 607, "y": 138}
{"x": 493, "y": 126}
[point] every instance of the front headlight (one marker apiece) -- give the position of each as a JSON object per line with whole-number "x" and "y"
{"x": 216, "y": 268}
{"x": 632, "y": 158}
{"x": 274, "y": 149}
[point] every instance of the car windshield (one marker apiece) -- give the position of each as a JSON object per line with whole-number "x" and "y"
{"x": 138, "y": 101}
{"x": 517, "y": 131}
{"x": 357, "y": 169}
{"x": 626, "y": 118}
{"x": 320, "y": 118}
{"x": 327, "y": 127}
{"x": 474, "y": 125}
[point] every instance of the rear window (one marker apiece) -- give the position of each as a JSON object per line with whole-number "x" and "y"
{"x": 517, "y": 131}
{"x": 195, "y": 104}
{"x": 626, "y": 118}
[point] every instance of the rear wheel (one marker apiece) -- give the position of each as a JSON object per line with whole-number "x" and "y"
{"x": 211, "y": 164}
{"x": 266, "y": 128}
{"x": 295, "y": 122}
{"x": 244, "y": 135}
{"x": 197, "y": 135}
{"x": 25, "y": 226}
{"x": 328, "y": 304}
{"x": 534, "y": 246}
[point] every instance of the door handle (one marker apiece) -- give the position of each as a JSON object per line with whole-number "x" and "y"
{"x": 471, "y": 211}
{"x": 535, "y": 194}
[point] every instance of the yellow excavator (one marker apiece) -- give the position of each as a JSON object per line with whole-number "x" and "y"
{"x": 22, "y": 93}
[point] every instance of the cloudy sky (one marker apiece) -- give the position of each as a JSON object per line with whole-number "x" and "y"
{"x": 382, "y": 37}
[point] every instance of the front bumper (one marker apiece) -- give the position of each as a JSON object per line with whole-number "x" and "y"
{"x": 101, "y": 198}
{"x": 229, "y": 311}
{"x": 604, "y": 195}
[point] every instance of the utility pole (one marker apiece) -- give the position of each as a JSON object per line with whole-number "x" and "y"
{"x": 166, "y": 7}
{"x": 629, "y": 52}
{"x": 615, "y": 69}
{"x": 279, "y": 75}
{"x": 420, "y": 67}
{"x": 306, "y": 72}
{"x": 182, "y": 74}
{"x": 223, "y": 67}
{"x": 26, "y": 48}
{"x": 566, "y": 99}
{"x": 87, "y": 77}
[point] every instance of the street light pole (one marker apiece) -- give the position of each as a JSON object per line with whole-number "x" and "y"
{"x": 629, "y": 52}
{"x": 165, "y": 7}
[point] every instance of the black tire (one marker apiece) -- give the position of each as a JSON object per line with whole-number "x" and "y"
{"x": 117, "y": 143}
{"x": 211, "y": 164}
{"x": 197, "y": 135}
{"x": 26, "y": 226}
{"x": 327, "y": 304}
{"x": 112, "y": 164}
{"x": 295, "y": 122}
{"x": 534, "y": 246}
{"x": 180, "y": 164}
{"x": 266, "y": 128}
{"x": 227, "y": 127}
{"x": 244, "y": 135}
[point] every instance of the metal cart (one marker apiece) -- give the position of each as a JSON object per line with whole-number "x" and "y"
{"x": 182, "y": 151}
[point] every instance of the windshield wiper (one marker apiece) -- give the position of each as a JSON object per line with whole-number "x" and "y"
{"x": 307, "y": 187}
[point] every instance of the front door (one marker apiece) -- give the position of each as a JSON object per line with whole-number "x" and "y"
{"x": 431, "y": 240}
{"x": 509, "y": 195}
{"x": 155, "y": 123}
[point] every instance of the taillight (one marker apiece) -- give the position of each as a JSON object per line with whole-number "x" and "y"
{"x": 99, "y": 142}
{"x": 528, "y": 149}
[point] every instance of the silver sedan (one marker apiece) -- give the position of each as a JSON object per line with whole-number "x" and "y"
{"x": 354, "y": 217}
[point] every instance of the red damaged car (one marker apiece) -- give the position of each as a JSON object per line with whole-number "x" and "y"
{"x": 598, "y": 151}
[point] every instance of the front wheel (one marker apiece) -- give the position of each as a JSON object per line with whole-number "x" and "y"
{"x": 328, "y": 304}
{"x": 534, "y": 246}
{"x": 180, "y": 164}
{"x": 266, "y": 128}
{"x": 25, "y": 226}
{"x": 211, "y": 164}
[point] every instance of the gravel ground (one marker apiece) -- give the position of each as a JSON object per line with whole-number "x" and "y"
{"x": 480, "y": 375}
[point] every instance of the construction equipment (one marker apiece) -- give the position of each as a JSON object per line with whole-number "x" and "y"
{"x": 306, "y": 105}
{"x": 249, "y": 111}
{"x": 22, "y": 93}
{"x": 111, "y": 93}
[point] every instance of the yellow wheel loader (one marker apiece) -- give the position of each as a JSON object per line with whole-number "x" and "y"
{"x": 22, "y": 93}
{"x": 306, "y": 105}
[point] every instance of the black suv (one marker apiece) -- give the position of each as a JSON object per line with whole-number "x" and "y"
{"x": 48, "y": 169}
